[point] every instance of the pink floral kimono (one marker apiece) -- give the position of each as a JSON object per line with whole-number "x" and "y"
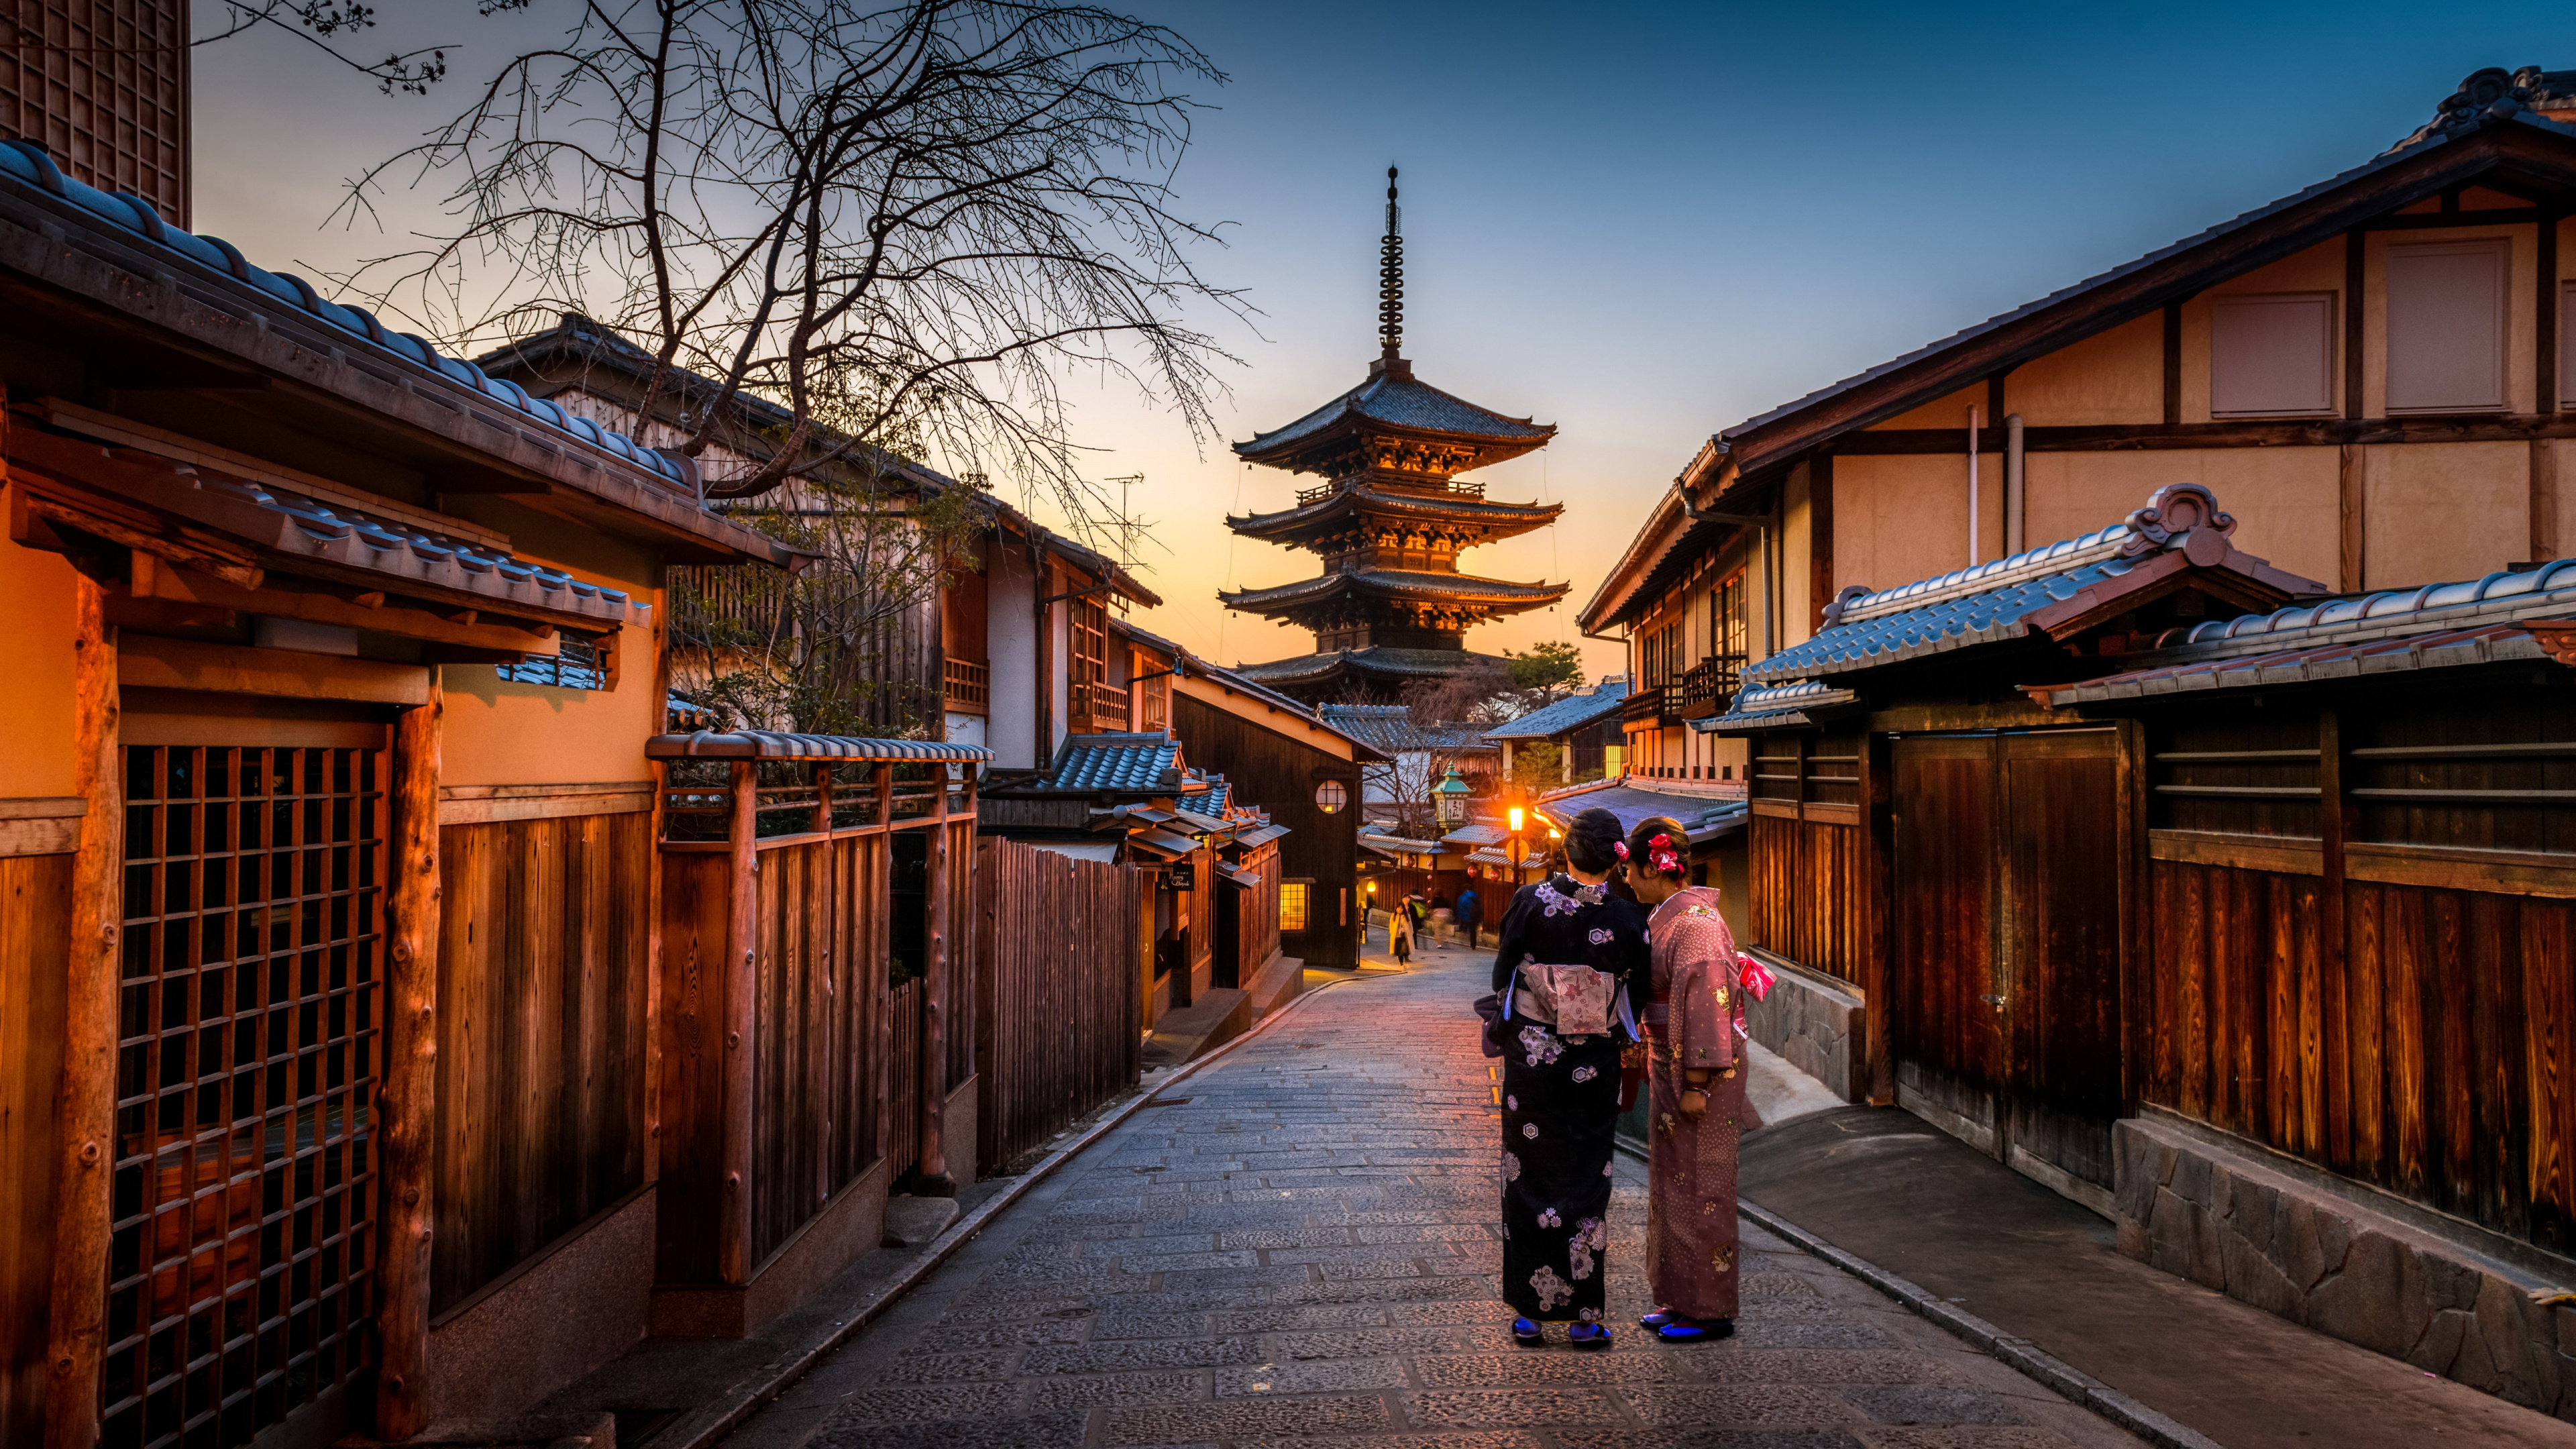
{"x": 1691, "y": 1025}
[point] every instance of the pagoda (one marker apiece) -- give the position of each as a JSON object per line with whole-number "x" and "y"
{"x": 1390, "y": 607}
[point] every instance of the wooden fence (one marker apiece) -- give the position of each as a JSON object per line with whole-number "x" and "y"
{"x": 1056, "y": 947}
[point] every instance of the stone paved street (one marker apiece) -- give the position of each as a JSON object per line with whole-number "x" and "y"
{"x": 1299, "y": 1247}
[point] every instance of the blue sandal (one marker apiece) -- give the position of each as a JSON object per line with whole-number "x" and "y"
{"x": 1677, "y": 1329}
{"x": 1589, "y": 1335}
{"x": 1528, "y": 1334}
{"x": 1657, "y": 1319}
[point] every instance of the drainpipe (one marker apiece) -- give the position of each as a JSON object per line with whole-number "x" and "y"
{"x": 2012, "y": 484}
{"x": 1972, "y": 485}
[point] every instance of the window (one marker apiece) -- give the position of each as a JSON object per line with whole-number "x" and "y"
{"x": 1294, "y": 896}
{"x": 2272, "y": 356}
{"x": 1331, "y": 796}
{"x": 1726, "y": 631}
{"x": 2446, "y": 327}
{"x": 577, "y": 664}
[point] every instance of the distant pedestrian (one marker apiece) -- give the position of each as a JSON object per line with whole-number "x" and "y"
{"x": 1467, "y": 916}
{"x": 1399, "y": 933}
{"x": 1695, "y": 1106}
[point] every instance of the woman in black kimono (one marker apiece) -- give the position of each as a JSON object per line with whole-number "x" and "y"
{"x": 1562, "y": 1037}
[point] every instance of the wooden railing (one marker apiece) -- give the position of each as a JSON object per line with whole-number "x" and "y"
{"x": 968, "y": 684}
{"x": 1099, "y": 707}
{"x": 1661, "y": 703}
{"x": 1710, "y": 685}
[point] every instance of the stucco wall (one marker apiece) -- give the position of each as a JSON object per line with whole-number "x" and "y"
{"x": 2116, "y": 377}
{"x": 1898, "y": 519}
{"x": 2286, "y": 500}
{"x": 2439, "y": 511}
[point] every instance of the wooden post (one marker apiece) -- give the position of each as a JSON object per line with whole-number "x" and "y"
{"x": 876, "y": 983}
{"x": 733, "y": 1247}
{"x": 407, "y": 1098}
{"x": 85, "y": 1108}
{"x": 2334, "y": 827}
{"x": 934, "y": 1011}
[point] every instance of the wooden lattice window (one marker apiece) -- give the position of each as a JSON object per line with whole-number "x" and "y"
{"x": 1726, "y": 629}
{"x": 1090, "y": 642}
{"x": 1295, "y": 897}
{"x": 103, "y": 85}
{"x": 241, "y": 1280}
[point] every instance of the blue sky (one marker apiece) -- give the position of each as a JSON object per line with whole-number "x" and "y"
{"x": 1641, "y": 223}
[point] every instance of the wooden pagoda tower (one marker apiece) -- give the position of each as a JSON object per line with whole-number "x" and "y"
{"x": 1390, "y": 607}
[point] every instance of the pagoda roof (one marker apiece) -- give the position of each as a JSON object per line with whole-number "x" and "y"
{"x": 1382, "y": 662}
{"x": 1394, "y": 401}
{"x": 1497, "y": 594}
{"x": 1498, "y": 520}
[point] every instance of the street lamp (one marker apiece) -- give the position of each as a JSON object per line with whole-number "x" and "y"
{"x": 1514, "y": 848}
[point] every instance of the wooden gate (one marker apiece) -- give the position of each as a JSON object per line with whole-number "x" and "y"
{"x": 2010, "y": 896}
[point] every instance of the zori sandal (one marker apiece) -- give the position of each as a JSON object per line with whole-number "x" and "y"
{"x": 1528, "y": 1334}
{"x": 1589, "y": 1335}
{"x": 1695, "y": 1330}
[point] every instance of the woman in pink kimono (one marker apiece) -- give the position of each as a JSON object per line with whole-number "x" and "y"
{"x": 1695, "y": 1107}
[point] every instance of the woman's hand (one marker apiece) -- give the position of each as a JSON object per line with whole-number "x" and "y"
{"x": 1694, "y": 1099}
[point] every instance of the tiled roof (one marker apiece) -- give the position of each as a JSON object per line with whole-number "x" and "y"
{"x": 26, "y": 162}
{"x": 1378, "y": 661}
{"x": 771, "y": 745}
{"x": 1503, "y": 519}
{"x": 1477, "y": 834}
{"x": 1401, "y": 401}
{"x": 1780, "y": 706}
{"x": 2472, "y": 621}
{"x": 1390, "y": 727}
{"x": 1703, "y": 817}
{"x": 1212, "y": 797}
{"x": 1112, "y": 762}
{"x": 1574, "y": 712}
{"x": 1394, "y": 584}
{"x": 2008, "y": 597}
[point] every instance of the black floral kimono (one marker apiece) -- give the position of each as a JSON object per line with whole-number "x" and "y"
{"x": 1561, "y": 1098}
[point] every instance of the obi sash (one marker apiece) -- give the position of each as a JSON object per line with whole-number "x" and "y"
{"x": 1576, "y": 1000}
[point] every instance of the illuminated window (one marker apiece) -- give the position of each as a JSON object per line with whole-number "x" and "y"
{"x": 1293, "y": 898}
{"x": 1331, "y": 796}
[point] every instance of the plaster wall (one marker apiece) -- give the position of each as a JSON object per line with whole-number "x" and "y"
{"x": 2440, "y": 511}
{"x": 2287, "y": 501}
{"x": 36, "y": 658}
{"x": 1897, "y": 519}
{"x": 1945, "y": 412}
{"x": 2318, "y": 269}
{"x": 1797, "y": 561}
{"x": 2114, "y": 377}
{"x": 1011, "y": 635}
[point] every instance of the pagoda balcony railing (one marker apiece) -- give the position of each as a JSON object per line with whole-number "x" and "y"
{"x": 968, "y": 684}
{"x": 1708, "y": 687}
{"x": 1098, "y": 708}
{"x": 1455, "y": 487}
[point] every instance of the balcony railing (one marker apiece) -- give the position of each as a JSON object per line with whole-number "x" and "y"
{"x": 1658, "y": 703}
{"x": 1099, "y": 707}
{"x": 968, "y": 685}
{"x": 1709, "y": 686}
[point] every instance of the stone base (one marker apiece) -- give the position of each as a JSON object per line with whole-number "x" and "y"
{"x": 512, "y": 1344}
{"x": 849, "y": 1227}
{"x": 1816, "y": 1023}
{"x": 2336, "y": 1257}
{"x": 1277, "y": 983}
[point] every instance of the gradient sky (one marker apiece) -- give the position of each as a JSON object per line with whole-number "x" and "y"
{"x": 1640, "y": 223}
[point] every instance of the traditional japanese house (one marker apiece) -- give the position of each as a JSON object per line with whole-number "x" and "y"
{"x": 1585, "y": 729}
{"x": 2373, "y": 371}
{"x": 339, "y": 874}
{"x": 1390, "y": 607}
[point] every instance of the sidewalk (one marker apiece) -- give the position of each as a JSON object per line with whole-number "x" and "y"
{"x": 1884, "y": 1186}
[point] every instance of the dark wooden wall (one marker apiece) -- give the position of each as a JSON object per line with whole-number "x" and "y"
{"x": 1279, "y": 774}
{"x": 1806, "y": 893}
{"x": 1057, "y": 989}
{"x": 543, "y": 970}
{"x": 35, "y": 942}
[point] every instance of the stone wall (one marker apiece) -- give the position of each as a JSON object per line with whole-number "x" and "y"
{"x": 1816, "y": 1023}
{"x": 2322, "y": 1253}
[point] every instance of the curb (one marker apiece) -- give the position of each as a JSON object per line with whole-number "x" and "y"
{"x": 701, "y": 1427}
{"x": 2031, "y": 1361}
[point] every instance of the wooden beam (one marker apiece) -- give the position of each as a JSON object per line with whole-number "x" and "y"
{"x": 154, "y": 579}
{"x": 2355, "y": 278}
{"x": 2157, "y": 437}
{"x": 1820, "y": 548}
{"x": 934, "y": 1012}
{"x": 408, "y": 1095}
{"x": 147, "y": 662}
{"x": 85, "y": 1107}
{"x": 2173, "y": 367}
{"x": 2335, "y": 822}
{"x": 2350, "y": 493}
{"x": 742, "y": 925}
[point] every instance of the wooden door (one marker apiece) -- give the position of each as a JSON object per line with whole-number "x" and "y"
{"x": 2059, "y": 946}
{"x": 1947, "y": 1032}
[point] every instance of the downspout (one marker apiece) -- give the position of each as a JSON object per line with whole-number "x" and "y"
{"x": 1972, "y": 485}
{"x": 2012, "y": 484}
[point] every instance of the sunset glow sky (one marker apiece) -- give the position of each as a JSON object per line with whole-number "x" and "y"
{"x": 1640, "y": 223}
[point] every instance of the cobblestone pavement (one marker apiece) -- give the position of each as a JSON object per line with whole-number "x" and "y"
{"x": 1301, "y": 1249}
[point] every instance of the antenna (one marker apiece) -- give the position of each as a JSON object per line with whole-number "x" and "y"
{"x": 1126, "y": 518}
{"x": 1390, "y": 275}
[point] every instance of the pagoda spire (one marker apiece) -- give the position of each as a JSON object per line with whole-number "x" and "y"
{"x": 1390, "y": 278}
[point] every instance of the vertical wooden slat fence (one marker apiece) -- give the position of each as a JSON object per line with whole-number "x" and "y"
{"x": 1056, "y": 945}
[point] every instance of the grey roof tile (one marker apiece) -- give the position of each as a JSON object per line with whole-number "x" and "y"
{"x": 1574, "y": 712}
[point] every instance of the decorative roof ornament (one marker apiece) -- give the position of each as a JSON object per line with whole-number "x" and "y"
{"x": 1390, "y": 276}
{"x": 2175, "y": 510}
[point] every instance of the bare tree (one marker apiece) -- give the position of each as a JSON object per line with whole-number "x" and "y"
{"x": 895, "y": 221}
{"x": 1435, "y": 725}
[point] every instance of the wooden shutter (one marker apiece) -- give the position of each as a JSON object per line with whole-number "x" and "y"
{"x": 2272, "y": 356}
{"x": 2446, "y": 327}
